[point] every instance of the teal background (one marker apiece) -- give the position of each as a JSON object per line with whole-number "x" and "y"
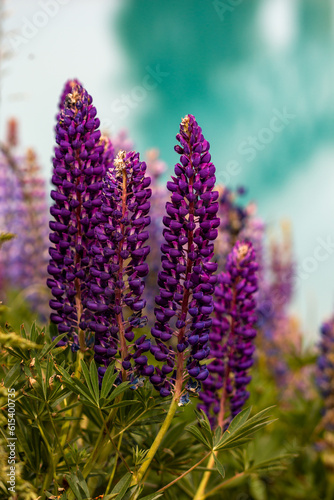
{"x": 221, "y": 69}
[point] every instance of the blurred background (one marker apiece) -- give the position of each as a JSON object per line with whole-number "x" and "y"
{"x": 256, "y": 74}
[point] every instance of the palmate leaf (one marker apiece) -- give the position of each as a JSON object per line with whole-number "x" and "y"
{"x": 202, "y": 431}
{"x": 123, "y": 482}
{"x": 196, "y": 432}
{"x": 12, "y": 375}
{"x": 274, "y": 463}
{"x": 50, "y": 347}
{"x": 241, "y": 429}
{"x": 219, "y": 466}
{"x": 108, "y": 381}
{"x": 153, "y": 496}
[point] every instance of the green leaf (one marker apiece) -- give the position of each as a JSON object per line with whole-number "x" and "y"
{"x": 242, "y": 431}
{"x": 239, "y": 419}
{"x": 82, "y": 483}
{"x": 153, "y": 496}
{"x": 33, "y": 332}
{"x": 108, "y": 380}
{"x": 76, "y": 386}
{"x": 257, "y": 488}
{"x": 85, "y": 371}
{"x": 122, "y": 486}
{"x": 119, "y": 389}
{"x": 40, "y": 379}
{"x": 195, "y": 431}
{"x": 12, "y": 375}
{"x": 74, "y": 487}
{"x": 125, "y": 402}
{"x": 49, "y": 347}
{"x": 94, "y": 380}
{"x": 219, "y": 466}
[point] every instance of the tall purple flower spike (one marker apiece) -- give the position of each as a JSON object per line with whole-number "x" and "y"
{"x": 118, "y": 267}
{"x": 77, "y": 176}
{"x": 325, "y": 372}
{"x": 186, "y": 281}
{"x": 231, "y": 339}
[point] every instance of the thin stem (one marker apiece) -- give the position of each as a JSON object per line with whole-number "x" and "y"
{"x": 61, "y": 450}
{"x": 114, "y": 444}
{"x": 184, "y": 474}
{"x": 205, "y": 479}
{"x": 223, "y": 484}
{"x": 119, "y": 317}
{"x": 114, "y": 467}
{"x": 137, "y": 478}
{"x": 97, "y": 448}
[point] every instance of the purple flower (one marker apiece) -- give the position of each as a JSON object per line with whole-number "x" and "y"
{"x": 118, "y": 266}
{"x": 186, "y": 281}
{"x": 232, "y": 335}
{"x": 77, "y": 176}
{"x": 24, "y": 212}
{"x": 69, "y": 86}
{"x": 325, "y": 372}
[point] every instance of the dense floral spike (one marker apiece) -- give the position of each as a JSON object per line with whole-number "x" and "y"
{"x": 279, "y": 335}
{"x": 24, "y": 212}
{"x": 232, "y": 335}
{"x": 118, "y": 266}
{"x": 77, "y": 175}
{"x": 186, "y": 281}
{"x": 325, "y": 372}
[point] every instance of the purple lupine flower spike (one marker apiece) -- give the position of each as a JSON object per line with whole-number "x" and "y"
{"x": 325, "y": 372}
{"x": 186, "y": 281}
{"x": 77, "y": 175}
{"x": 233, "y": 332}
{"x": 118, "y": 266}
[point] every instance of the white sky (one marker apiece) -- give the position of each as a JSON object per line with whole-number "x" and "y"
{"x": 74, "y": 40}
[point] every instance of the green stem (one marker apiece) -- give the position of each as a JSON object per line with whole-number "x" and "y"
{"x": 115, "y": 466}
{"x": 223, "y": 484}
{"x": 118, "y": 452}
{"x": 184, "y": 474}
{"x": 205, "y": 479}
{"x": 137, "y": 478}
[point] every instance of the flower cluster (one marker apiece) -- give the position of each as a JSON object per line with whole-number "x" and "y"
{"x": 24, "y": 212}
{"x": 118, "y": 266}
{"x": 77, "y": 176}
{"x": 325, "y": 372}
{"x": 186, "y": 281}
{"x": 69, "y": 87}
{"x": 232, "y": 335}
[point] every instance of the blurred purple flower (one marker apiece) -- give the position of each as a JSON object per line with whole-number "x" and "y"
{"x": 232, "y": 336}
